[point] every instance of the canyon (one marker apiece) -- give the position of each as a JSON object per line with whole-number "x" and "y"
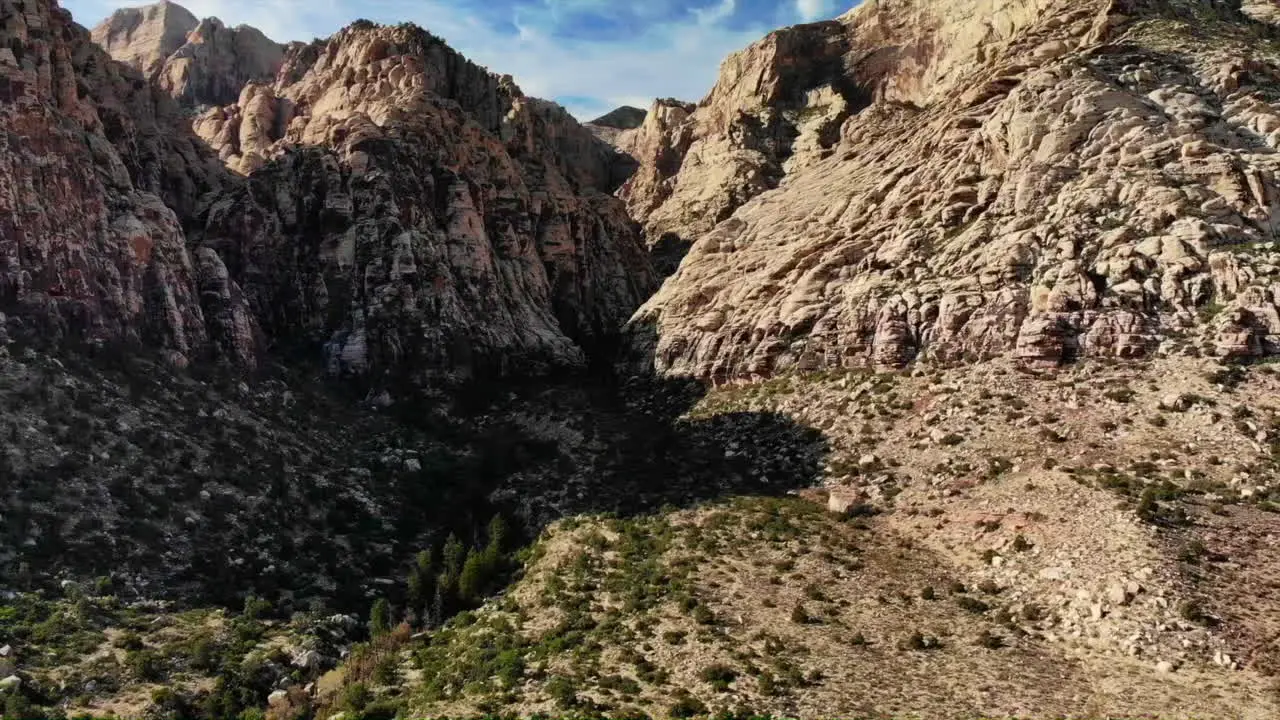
{"x": 924, "y": 366}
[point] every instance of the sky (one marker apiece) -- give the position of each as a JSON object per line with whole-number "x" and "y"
{"x": 588, "y": 55}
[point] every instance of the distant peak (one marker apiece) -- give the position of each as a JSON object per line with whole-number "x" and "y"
{"x": 626, "y": 117}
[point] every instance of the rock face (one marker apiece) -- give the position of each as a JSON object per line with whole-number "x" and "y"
{"x": 945, "y": 181}
{"x": 623, "y": 118}
{"x": 409, "y": 209}
{"x": 612, "y": 126}
{"x": 408, "y": 213}
{"x": 776, "y": 106}
{"x": 199, "y": 62}
{"x": 92, "y": 169}
{"x": 145, "y": 37}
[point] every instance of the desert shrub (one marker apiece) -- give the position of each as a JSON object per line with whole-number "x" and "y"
{"x": 562, "y": 691}
{"x": 989, "y": 640}
{"x": 920, "y": 641}
{"x": 799, "y": 615}
{"x": 128, "y": 640}
{"x": 144, "y": 664}
{"x": 686, "y": 706}
{"x": 356, "y": 697}
{"x": 719, "y": 676}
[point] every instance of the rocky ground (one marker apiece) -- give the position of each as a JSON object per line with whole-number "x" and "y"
{"x": 967, "y": 552}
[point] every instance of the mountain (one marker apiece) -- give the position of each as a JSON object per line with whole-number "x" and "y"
{"x": 625, "y": 117}
{"x": 145, "y": 37}
{"x": 612, "y": 126}
{"x": 923, "y": 368}
{"x": 98, "y": 172}
{"x": 953, "y": 183}
{"x": 199, "y": 62}
{"x": 438, "y": 219}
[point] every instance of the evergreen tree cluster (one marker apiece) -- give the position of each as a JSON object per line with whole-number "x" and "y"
{"x": 440, "y": 584}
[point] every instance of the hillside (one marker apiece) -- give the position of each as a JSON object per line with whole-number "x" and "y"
{"x": 924, "y": 368}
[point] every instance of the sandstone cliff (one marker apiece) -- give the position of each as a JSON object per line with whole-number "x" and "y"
{"x": 144, "y": 37}
{"x": 410, "y": 209}
{"x": 952, "y": 181}
{"x": 92, "y": 170}
{"x": 199, "y": 62}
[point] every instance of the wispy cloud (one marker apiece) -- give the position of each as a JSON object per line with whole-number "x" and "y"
{"x": 810, "y": 10}
{"x": 589, "y": 55}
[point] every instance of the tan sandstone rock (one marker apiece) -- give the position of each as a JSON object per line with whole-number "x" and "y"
{"x": 1031, "y": 177}
{"x": 199, "y": 62}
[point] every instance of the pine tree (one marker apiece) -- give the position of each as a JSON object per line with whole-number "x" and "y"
{"x": 437, "y": 608}
{"x": 474, "y": 578}
{"x": 380, "y": 618}
{"x": 425, "y": 562}
{"x": 421, "y": 582}
{"x": 497, "y": 535}
{"x": 453, "y": 556}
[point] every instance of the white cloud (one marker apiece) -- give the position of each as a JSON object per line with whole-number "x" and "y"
{"x": 663, "y": 58}
{"x": 716, "y": 13}
{"x": 810, "y": 10}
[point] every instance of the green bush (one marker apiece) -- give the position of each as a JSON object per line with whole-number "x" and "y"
{"x": 686, "y": 706}
{"x": 562, "y": 691}
{"x": 380, "y": 618}
{"x": 129, "y": 640}
{"x": 719, "y": 676}
{"x": 144, "y": 664}
{"x": 356, "y": 697}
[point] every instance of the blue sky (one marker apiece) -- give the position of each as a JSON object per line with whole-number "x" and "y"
{"x": 588, "y": 55}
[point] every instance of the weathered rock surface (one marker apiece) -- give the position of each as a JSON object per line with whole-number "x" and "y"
{"x": 93, "y": 166}
{"x": 611, "y": 126}
{"x": 947, "y": 181}
{"x": 776, "y": 106}
{"x": 199, "y": 62}
{"x": 145, "y": 37}
{"x": 410, "y": 209}
{"x": 622, "y": 118}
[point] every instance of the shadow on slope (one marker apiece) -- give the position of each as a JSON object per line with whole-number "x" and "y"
{"x": 205, "y": 488}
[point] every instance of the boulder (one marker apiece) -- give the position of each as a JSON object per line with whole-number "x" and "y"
{"x": 842, "y": 501}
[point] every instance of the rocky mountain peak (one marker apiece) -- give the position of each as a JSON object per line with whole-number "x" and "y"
{"x": 448, "y": 222}
{"x": 613, "y": 125}
{"x": 144, "y": 37}
{"x": 621, "y": 118}
{"x": 199, "y": 62}
{"x": 407, "y": 212}
{"x": 97, "y": 173}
